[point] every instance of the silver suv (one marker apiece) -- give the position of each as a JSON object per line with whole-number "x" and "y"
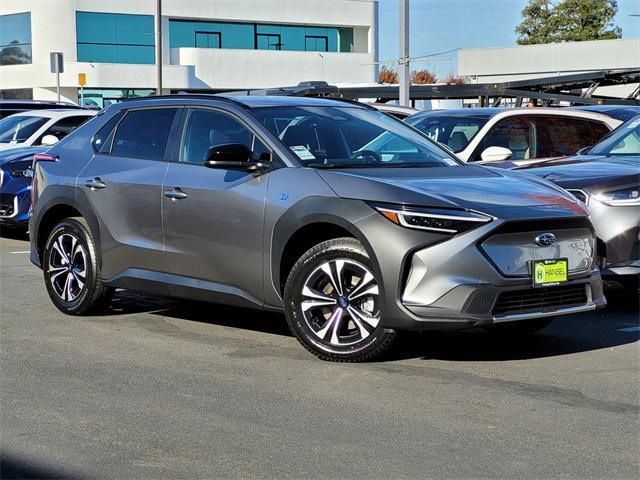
{"x": 353, "y": 223}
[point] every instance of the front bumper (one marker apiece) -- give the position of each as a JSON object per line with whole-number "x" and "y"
{"x": 453, "y": 282}
{"x": 15, "y": 200}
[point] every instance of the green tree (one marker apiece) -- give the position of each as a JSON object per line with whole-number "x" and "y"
{"x": 538, "y": 23}
{"x": 587, "y": 20}
{"x": 546, "y": 21}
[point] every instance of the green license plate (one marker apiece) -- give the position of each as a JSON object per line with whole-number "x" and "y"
{"x": 549, "y": 272}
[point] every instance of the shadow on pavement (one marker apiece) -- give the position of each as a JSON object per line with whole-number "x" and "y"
{"x": 14, "y": 469}
{"x": 614, "y": 326}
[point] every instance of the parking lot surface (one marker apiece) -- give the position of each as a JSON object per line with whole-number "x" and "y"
{"x": 159, "y": 388}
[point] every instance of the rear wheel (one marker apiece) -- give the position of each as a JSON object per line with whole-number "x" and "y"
{"x": 333, "y": 303}
{"x": 520, "y": 328}
{"x": 71, "y": 271}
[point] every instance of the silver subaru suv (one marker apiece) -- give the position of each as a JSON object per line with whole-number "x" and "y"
{"x": 351, "y": 222}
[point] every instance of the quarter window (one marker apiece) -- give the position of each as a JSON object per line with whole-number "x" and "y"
{"x": 207, "y": 128}
{"x": 144, "y": 133}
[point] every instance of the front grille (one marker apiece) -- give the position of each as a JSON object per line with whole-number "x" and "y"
{"x": 536, "y": 299}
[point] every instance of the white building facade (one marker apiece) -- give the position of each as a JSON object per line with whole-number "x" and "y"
{"x": 207, "y": 45}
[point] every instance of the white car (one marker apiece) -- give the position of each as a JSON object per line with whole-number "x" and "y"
{"x": 40, "y": 127}
{"x": 519, "y": 135}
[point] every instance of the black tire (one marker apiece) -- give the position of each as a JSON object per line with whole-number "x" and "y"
{"x": 93, "y": 296}
{"x": 520, "y": 328}
{"x": 368, "y": 341}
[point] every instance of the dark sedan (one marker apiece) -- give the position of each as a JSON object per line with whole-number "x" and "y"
{"x": 607, "y": 178}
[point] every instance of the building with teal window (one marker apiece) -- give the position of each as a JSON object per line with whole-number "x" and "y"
{"x": 200, "y": 46}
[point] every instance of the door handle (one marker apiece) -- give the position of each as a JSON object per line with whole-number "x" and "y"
{"x": 175, "y": 194}
{"x": 95, "y": 184}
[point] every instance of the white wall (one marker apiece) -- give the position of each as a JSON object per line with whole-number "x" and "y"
{"x": 225, "y": 68}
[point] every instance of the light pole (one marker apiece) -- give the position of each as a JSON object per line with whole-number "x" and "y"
{"x": 159, "y": 45}
{"x": 404, "y": 97}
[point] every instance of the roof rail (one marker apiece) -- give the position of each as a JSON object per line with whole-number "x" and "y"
{"x": 203, "y": 96}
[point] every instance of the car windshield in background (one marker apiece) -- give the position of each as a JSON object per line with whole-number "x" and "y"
{"x": 453, "y": 131}
{"x": 17, "y": 129}
{"x": 623, "y": 141}
{"x": 349, "y": 137}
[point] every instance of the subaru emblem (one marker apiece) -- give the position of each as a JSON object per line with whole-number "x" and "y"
{"x": 545, "y": 239}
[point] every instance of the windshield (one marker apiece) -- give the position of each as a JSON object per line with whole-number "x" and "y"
{"x": 17, "y": 129}
{"x": 454, "y": 131}
{"x": 623, "y": 141}
{"x": 343, "y": 137}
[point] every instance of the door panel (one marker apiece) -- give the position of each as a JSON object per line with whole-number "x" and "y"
{"x": 213, "y": 219}
{"x": 123, "y": 185}
{"x": 128, "y": 208}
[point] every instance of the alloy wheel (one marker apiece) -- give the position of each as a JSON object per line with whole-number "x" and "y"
{"x": 67, "y": 267}
{"x": 341, "y": 302}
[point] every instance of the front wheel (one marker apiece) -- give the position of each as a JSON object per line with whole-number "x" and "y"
{"x": 333, "y": 303}
{"x": 71, "y": 270}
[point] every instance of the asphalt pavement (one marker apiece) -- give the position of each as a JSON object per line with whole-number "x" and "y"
{"x": 159, "y": 388}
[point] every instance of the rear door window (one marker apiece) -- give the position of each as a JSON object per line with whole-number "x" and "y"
{"x": 564, "y": 135}
{"x": 144, "y": 133}
{"x": 65, "y": 126}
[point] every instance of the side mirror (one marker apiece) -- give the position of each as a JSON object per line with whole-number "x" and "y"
{"x": 49, "y": 140}
{"x": 583, "y": 151}
{"x": 496, "y": 154}
{"x": 233, "y": 156}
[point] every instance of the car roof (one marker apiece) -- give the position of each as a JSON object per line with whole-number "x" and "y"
{"x": 250, "y": 101}
{"x": 56, "y": 113}
{"x": 621, "y": 112}
{"x": 489, "y": 112}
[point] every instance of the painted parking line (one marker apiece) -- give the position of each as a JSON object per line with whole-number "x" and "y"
{"x": 23, "y": 251}
{"x": 629, "y": 329}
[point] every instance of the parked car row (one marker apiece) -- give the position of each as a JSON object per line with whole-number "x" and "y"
{"x": 355, "y": 224}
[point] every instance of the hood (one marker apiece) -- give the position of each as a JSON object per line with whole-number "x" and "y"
{"x": 19, "y": 153}
{"x": 10, "y": 146}
{"x": 494, "y": 191}
{"x": 591, "y": 173}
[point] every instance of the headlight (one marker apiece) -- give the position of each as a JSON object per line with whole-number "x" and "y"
{"x": 21, "y": 173}
{"x": 620, "y": 198}
{"x": 433, "y": 219}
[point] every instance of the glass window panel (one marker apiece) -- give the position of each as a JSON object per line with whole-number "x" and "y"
{"x": 135, "y": 54}
{"x": 293, "y": 38}
{"x": 144, "y": 134}
{"x": 206, "y": 129}
{"x": 95, "y": 27}
{"x": 332, "y": 40}
{"x": 15, "y": 28}
{"x": 115, "y": 38}
{"x": 208, "y": 39}
{"x": 96, "y": 53}
{"x": 345, "y": 39}
{"x": 15, "y": 54}
{"x": 237, "y": 35}
{"x": 269, "y": 42}
{"x": 135, "y": 30}
{"x": 181, "y": 34}
{"x": 316, "y": 44}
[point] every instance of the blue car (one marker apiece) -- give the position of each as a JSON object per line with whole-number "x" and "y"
{"x": 15, "y": 185}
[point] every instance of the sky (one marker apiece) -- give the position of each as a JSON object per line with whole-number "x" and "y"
{"x": 441, "y": 25}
